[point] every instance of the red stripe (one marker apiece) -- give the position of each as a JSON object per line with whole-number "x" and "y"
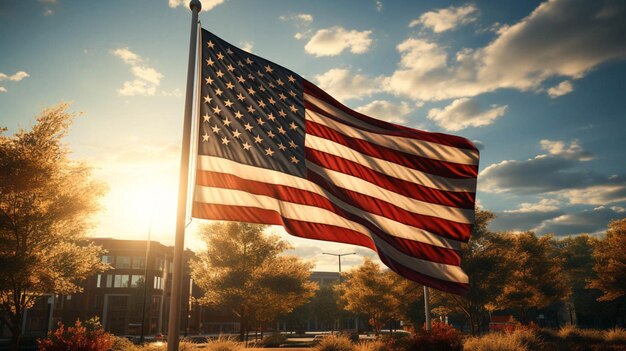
{"x": 285, "y": 193}
{"x": 442, "y": 227}
{"x": 423, "y": 164}
{"x": 417, "y": 191}
{"x": 319, "y": 232}
{"x": 390, "y": 128}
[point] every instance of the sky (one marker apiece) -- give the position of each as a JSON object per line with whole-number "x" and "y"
{"x": 540, "y": 87}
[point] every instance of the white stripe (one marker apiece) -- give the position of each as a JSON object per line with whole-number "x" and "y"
{"x": 389, "y": 168}
{"x": 418, "y": 147}
{"x": 359, "y": 185}
{"x": 314, "y": 214}
{"x": 394, "y": 228}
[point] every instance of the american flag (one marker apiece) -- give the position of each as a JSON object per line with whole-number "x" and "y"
{"x": 275, "y": 149}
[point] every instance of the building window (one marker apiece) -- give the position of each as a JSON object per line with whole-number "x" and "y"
{"x": 136, "y": 281}
{"x": 109, "y": 281}
{"x": 158, "y": 283}
{"x": 120, "y": 281}
{"x": 122, "y": 262}
{"x": 158, "y": 264}
{"x": 107, "y": 259}
{"x": 139, "y": 262}
{"x": 100, "y": 281}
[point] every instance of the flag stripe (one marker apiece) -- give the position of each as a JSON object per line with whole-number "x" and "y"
{"x": 316, "y": 231}
{"x": 314, "y": 214}
{"x": 337, "y": 120}
{"x": 417, "y": 191}
{"x": 390, "y": 168}
{"x": 423, "y": 164}
{"x": 207, "y": 163}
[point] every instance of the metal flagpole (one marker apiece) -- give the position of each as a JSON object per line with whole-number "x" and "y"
{"x": 177, "y": 273}
{"x": 426, "y": 309}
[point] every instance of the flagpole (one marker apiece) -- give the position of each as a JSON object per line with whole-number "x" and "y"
{"x": 426, "y": 309}
{"x": 173, "y": 328}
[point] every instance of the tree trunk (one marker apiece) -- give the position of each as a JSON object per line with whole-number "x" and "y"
{"x": 16, "y": 335}
{"x": 241, "y": 325}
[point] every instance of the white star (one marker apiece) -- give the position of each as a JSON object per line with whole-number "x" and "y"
{"x": 240, "y": 97}
{"x": 248, "y": 61}
{"x": 281, "y": 130}
{"x": 218, "y": 92}
{"x": 226, "y": 121}
{"x": 238, "y": 114}
{"x": 269, "y": 152}
{"x": 250, "y": 76}
{"x": 258, "y": 139}
{"x": 272, "y": 85}
{"x": 260, "y": 74}
{"x": 261, "y": 103}
{"x": 210, "y": 62}
{"x": 217, "y": 110}
{"x": 205, "y": 137}
{"x": 229, "y": 51}
{"x": 281, "y": 147}
{"x": 220, "y": 56}
{"x": 293, "y": 108}
{"x": 272, "y": 101}
{"x": 228, "y": 103}
{"x": 293, "y": 126}
{"x": 210, "y": 44}
{"x": 241, "y": 79}
{"x": 225, "y": 141}
{"x": 281, "y": 96}
{"x": 248, "y": 126}
{"x": 207, "y": 99}
{"x": 206, "y": 117}
{"x": 216, "y": 129}
{"x": 280, "y": 82}
{"x": 292, "y": 144}
{"x": 209, "y": 80}
{"x": 251, "y": 91}
{"x": 246, "y": 146}
{"x": 230, "y": 85}
{"x": 262, "y": 88}
{"x": 271, "y": 134}
{"x": 236, "y": 133}
{"x": 271, "y": 117}
{"x": 230, "y": 68}
{"x": 219, "y": 73}
{"x": 291, "y": 79}
{"x": 239, "y": 63}
{"x": 260, "y": 121}
{"x": 292, "y": 93}
{"x": 294, "y": 160}
{"x": 268, "y": 69}
{"x": 282, "y": 113}
{"x": 251, "y": 109}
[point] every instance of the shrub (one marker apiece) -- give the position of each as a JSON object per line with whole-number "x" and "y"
{"x": 335, "y": 343}
{"x": 88, "y": 337}
{"x": 576, "y": 335}
{"x": 494, "y": 342}
{"x": 375, "y": 345}
{"x": 274, "y": 340}
{"x": 121, "y": 344}
{"x": 441, "y": 337}
{"x": 616, "y": 336}
{"x": 224, "y": 344}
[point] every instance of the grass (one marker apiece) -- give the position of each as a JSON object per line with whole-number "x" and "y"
{"x": 335, "y": 343}
{"x": 517, "y": 340}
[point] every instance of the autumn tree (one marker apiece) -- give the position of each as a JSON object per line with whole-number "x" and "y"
{"x": 243, "y": 270}
{"x": 610, "y": 267}
{"x": 537, "y": 280}
{"x": 380, "y": 294}
{"x": 46, "y": 200}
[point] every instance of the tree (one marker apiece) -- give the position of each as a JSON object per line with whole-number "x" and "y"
{"x": 610, "y": 267}
{"x": 46, "y": 200}
{"x": 242, "y": 269}
{"x": 380, "y": 294}
{"x": 537, "y": 280}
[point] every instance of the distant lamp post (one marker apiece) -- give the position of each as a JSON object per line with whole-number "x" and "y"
{"x": 339, "y": 257}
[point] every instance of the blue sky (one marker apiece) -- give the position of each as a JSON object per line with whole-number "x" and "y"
{"x": 539, "y": 86}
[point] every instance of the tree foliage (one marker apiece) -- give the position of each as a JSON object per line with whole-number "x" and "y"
{"x": 243, "y": 269}
{"x": 610, "y": 267}
{"x": 46, "y": 200}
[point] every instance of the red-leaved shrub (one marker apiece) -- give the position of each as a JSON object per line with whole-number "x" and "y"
{"x": 77, "y": 338}
{"x": 441, "y": 337}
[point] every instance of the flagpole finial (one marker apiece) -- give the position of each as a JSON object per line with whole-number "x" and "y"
{"x": 195, "y": 3}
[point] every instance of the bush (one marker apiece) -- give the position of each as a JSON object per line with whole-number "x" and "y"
{"x": 615, "y": 336}
{"x": 90, "y": 337}
{"x": 441, "y": 337}
{"x": 335, "y": 343}
{"x": 494, "y": 342}
{"x": 274, "y": 340}
{"x": 375, "y": 345}
{"x": 576, "y": 335}
{"x": 224, "y": 344}
{"x": 121, "y": 344}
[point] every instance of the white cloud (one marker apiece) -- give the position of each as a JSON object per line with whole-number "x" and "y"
{"x": 247, "y": 46}
{"x": 343, "y": 84}
{"x": 3, "y": 90}
{"x": 379, "y": 5}
{"x": 565, "y": 87}
{"x": 207, "y": 5}
{"x": 463, "y": 113}
{"x": 558, "y": 39}
{"x": 386, "y": 110}
{"x": 559, "y": 148}
{"x": 593, "y": 221}
{"x": 544, "y": 205}
{"x": 596, "y": 195}
{"x": 332, "y": 41}
{"x": 446, "y": 19}
{"x": 18, "y": 76}
{"x": 147, "y": 79}
{"x": 303, "y": 18}
{"x": 175, "y": 93}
